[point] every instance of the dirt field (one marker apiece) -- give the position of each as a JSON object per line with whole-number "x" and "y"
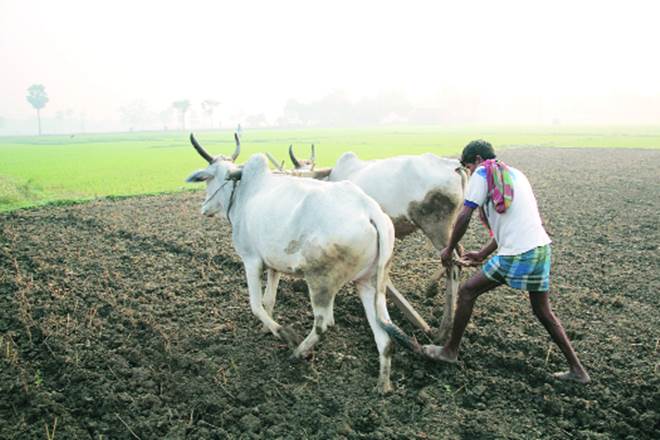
{"x": 129, "y": 319}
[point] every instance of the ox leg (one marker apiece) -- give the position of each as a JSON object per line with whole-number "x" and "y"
{"x": 254, "y": 272}
{"x": 435, "y": 217}
{"x": 331, "y": 312}
{"x": 384, "y": 343}
{"x": 322, "y": 300}
{"x": 439, "y": 236}
{"x": 272, "y": 281}
{"x": 451, "y": 296}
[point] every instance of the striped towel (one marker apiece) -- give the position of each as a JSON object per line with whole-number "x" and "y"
{"x": 500, "y": 188}
{"x": 500, "y": 185}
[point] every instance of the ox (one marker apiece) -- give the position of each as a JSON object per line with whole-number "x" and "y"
{"x": 417, "y": 192}
{"x": 328, "y": 233}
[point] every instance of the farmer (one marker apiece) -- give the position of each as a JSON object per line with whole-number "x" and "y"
{"x": 507, "y": 206}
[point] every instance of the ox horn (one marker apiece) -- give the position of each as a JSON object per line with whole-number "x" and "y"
{"x": 202, "y": 152}
{"x": 237, "y": 151}
{"x": 296, "y": 164}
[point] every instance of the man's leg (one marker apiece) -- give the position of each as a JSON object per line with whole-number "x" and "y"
{"x": 543, "y": 311}
{"x": 467, "y": 295}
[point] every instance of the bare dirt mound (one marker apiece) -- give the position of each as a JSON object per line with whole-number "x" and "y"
{"x": 130, "y": 319}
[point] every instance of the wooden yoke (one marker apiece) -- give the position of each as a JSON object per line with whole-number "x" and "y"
{"x": 321, "y": 173}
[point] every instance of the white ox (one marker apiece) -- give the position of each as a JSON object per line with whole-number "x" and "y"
{"x": 417, "y": 192}
{"x": 328, "y": 233}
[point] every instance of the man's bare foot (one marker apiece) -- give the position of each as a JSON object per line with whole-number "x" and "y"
{"x": 438, "y": 353}
{"x": 581, "y": 377}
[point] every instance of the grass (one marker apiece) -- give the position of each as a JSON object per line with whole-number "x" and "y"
{"x": 59, "y": 169}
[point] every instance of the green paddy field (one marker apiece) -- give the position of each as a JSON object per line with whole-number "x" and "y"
{"x": 60, "y": 169}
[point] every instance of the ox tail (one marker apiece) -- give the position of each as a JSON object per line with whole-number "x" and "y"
{"x": 385, "y": 242}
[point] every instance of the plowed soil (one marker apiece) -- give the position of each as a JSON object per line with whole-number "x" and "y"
{"x": 129, "y": 318}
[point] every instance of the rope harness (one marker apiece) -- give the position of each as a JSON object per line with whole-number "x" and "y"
{"x": 231, "y": 199}
{"x": 231, "y": 196}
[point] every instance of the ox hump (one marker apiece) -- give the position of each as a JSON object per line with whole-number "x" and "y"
{"x": 347, "y": 157}
{"x": 347, "y": 164}
{"x": 257, "y": 165}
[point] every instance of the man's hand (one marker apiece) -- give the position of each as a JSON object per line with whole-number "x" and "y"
{"x": 468, "y": 259}
{"x": 472, "y": 258}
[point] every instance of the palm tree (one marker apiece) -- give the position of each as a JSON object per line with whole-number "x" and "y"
{"x": 38, "y": 97}
{"x": 182, "y": 107}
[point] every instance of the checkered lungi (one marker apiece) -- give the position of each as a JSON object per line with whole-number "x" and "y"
{"x": 528, "y": 271}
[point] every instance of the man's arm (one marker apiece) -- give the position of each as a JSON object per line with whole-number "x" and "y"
{"x": 460, "y": 226}
{"x": 488, "y": 248}
{"x": 483, "y": 253}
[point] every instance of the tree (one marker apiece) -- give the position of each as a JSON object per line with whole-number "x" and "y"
{"x": 182, "y": 107}
{"x": 208, "y": 106}
{"x": 38, "y": 97}
{"x": 256, "y": 120}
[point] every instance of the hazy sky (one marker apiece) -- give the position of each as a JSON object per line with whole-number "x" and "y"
{"x": 95, "y": 56}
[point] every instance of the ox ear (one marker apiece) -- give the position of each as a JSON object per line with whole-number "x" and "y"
{"x": 199, "y": 176}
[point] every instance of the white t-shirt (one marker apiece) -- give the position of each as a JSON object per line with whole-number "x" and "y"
{"x": 519, "y": 229}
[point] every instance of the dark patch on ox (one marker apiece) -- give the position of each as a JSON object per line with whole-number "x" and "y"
{"x": 389, "y": 349}
{"x": 293, "y": 247}
{"x": 435, "y": 215}
{"x": 319, "y": 327}
{"x": 327, "y": 270}
{"x": 322, "y": 296}
{"x": 294, "y": 272}
{"x": 403, "y": 227}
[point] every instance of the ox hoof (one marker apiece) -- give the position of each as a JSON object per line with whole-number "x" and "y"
{"x": 300, "y": 356}
{"x": 384, "y": 387}
{"x": 572, "y": 376}
{"x": 437, "y": 353}
{"x": 290, "y": 337}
